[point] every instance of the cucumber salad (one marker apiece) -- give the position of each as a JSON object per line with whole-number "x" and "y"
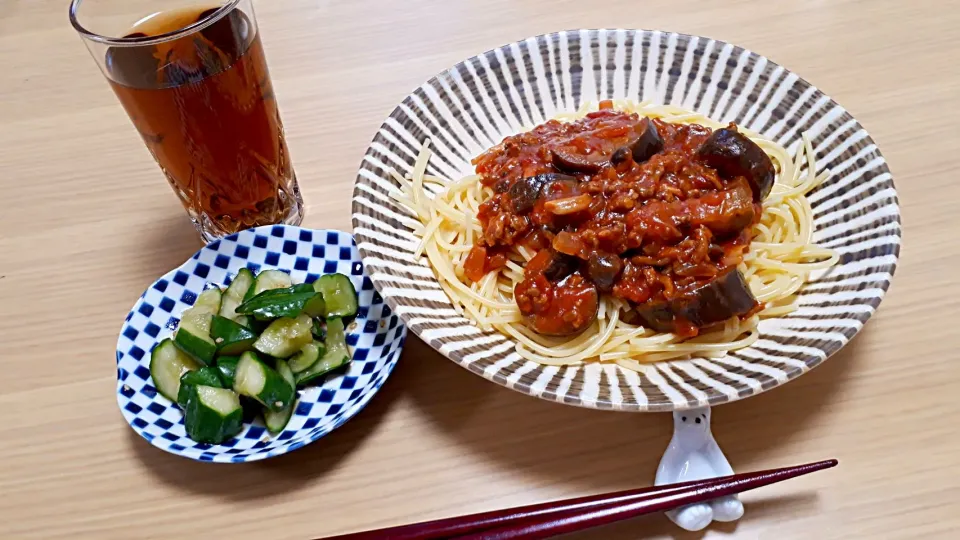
{"x": 244, "y": 351}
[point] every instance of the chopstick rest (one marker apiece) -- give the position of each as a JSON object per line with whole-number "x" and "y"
{"x": 693, "y": 454}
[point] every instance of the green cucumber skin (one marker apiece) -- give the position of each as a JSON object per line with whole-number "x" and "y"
{"x": 206, "y": 376}
{"x": 283, "y": 368}
{"x": 319, "y": 330}
{"x": 276, "y": 421}
{"x": 243, "y": 275}
{"x": 307, "y": 357}
{"x": 258, "y": 283}
{"x": 231, "y": 338}
{"x": 205, "y": 425}
{"x": 293, "y": 289}
{"x": 195, "y": 339}
{"x": 234, "y": 294}
{"x": 249, "y": 294}
{"x": 337, "y": 355}
{"x": 276, "y": 393}
{"x": 322, "y": 367}
{"x": 279, "y": 305}
{"x": 197, "y": 348}
{"x": 227, "y": 366}
{"x": 277, "y": 390}
{"x": 159, "y": 355}
{"x": 238, "y": 347}
{"x": 339, "y": 293}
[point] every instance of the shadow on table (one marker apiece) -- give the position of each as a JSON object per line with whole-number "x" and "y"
{"x": 581, "y": 451}
{"x": 592, "y": 451}
{"x": 165, "y": 245}
{"x": 274, "y": 476}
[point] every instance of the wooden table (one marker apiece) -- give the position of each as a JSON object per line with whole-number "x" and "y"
{"x": 87, "y": 222}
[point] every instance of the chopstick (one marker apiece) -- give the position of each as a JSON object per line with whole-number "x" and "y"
{"x": 559, "y": 517}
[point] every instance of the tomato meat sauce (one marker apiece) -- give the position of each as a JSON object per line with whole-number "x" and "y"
{"x": 654, "y": 213}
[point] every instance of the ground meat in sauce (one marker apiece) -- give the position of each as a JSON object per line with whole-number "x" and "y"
{"x": 648, "y": 232}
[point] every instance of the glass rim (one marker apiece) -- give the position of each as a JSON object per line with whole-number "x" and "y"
{"x": 148, "y": 40}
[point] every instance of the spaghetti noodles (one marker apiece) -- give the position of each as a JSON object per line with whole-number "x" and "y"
{"x": 780, "y": 257}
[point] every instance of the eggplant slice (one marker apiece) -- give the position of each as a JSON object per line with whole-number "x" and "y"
{"x": 648, "y": 143}
{"x": 604, "y": 269}
{"x": 725, "y": 296}
{"x": 620, "y": 155}
{"x": 560, "y": 266}
{"x": 642, "y": 144}
{"x": 525, "y": 193}
{"x": 570, "y": 161}
{"x": 733, "y": 154}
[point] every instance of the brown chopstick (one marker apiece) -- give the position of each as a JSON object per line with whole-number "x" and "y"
{"x": 559, "y": 517}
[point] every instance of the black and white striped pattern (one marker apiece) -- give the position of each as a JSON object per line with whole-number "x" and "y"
{"x": 478, "y": 102}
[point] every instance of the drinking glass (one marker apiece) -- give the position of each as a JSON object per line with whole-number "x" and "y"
{"x": 193, "y": 79}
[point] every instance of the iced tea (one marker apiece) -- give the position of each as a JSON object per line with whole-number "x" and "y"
{"x": 204, "y": 105}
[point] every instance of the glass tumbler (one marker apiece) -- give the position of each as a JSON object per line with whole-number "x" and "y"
{"x": 193, "y": 79}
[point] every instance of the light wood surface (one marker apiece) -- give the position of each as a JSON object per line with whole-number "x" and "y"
{"x": 87, "y": 222}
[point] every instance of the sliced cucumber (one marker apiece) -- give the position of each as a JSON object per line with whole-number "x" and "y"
{"x": 285, "y": 336}
{"x": 167, "y": 365}
{"x": 193, "y": 334}
{"x": 337, "y": 354}
{"x": 255, "y": 379}
{"x": 207, "y": 376}
{"x": 227, "y": 366}
{"x": 230, "y": 337}
{"x": 277, "y": 420}
{"x": 331, "y": 361}
{"x": 213, "y": 414}
{"x": 319, "y": 330}
{"x": 336, "y": 335}
{"x": 234, "y": 294}
{"x": 315, "y": 306}
{"x": 338, "y": 293}
{"x": 266, "y": 280}
{"x": 308, "y": 355}
{"x": 300, "y": 288}
{"x": 193, "y": 337}
{"x": 285, "y": 304}
{"x": 208, "y": 302}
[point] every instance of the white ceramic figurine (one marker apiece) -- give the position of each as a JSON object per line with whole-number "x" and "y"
{"x": 693, "y": 454}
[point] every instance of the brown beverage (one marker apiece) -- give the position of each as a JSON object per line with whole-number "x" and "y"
{"x": 205, "y": 107}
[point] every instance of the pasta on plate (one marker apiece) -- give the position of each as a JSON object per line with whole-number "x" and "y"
{"x": 624, "y": 232}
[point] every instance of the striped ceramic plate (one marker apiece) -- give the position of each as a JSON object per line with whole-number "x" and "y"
{"x": 478, "y": 102}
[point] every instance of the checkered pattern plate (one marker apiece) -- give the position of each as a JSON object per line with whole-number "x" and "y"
{"x": 375, "y": 337}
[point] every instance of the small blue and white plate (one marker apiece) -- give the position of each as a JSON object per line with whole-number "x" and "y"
{"x": 375, "y": 338}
